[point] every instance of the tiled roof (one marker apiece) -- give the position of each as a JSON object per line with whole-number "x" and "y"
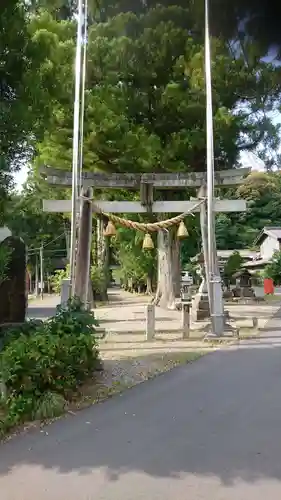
{"x": 256, "y": 263}
{"x": 245, "y": 253}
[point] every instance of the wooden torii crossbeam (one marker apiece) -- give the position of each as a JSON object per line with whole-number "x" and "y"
{"x": 181, "y": 180}
{"x": 224, "y": 178}
{"x": 64, "y": 206}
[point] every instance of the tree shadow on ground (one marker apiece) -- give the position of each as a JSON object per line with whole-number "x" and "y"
{"x": 218, "y": 417}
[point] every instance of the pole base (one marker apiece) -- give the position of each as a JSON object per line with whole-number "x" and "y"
{"x": 229, "y": 331}
{"x": 65, "y": 291}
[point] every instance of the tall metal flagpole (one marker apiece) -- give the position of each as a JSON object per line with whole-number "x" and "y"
{"x": 83, "y": 81}
{"x": 75, "y": 157}
{"x": 216, "y": 299}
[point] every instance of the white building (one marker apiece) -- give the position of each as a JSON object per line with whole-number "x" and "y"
{"x": 269, "y": 241}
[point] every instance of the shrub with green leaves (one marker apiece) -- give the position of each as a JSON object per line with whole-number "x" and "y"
{"x": 59, "y": 355}
{"x": 58, "y": 276}
{"x": 72, "y": 318}
{"x": 98, "y": 279}
{"x": 5, "y": 257}
{"x": 273, "y": 269}
{"x": 10, "y": 333}
{"x": 99, "y": 282}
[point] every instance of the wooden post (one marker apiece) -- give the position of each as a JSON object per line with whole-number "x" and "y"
{"x": 150, "y": 322}
{"x": 82, "y": 274}
{"x": 36, "y": 276}
{"x": 185, "y": 321}
{"x": 41, "y": 273}
{"x": 204, "y": 236}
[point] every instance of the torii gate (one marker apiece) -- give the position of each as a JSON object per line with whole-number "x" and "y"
{"x": 146, "y": 183}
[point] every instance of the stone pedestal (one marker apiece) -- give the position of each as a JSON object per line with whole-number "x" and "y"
{"x": 243, "y": 292}
{"x": 200, "y": 303}
{"x": 65, "y": 291}
{"x": 13, "y": 297}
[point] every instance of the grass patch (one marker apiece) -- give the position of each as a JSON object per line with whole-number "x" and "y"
{"x": 272, "y": 298}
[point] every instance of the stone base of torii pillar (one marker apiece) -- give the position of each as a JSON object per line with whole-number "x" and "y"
{"x": 200, "y": 309}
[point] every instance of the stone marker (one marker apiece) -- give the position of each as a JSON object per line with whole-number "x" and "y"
{"x": 65, "y": 291}
{"x": 150, "y": 322}
{"x": 185, "y": 321}
{"x": 13, "y": 297}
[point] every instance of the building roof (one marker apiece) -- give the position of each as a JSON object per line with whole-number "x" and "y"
{"x": 245, "y": 253}
{"x": 256, "y": 263}
{"x": 268, "y": 231}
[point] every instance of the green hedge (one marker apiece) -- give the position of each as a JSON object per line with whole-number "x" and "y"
{"x": 40, "y": 371}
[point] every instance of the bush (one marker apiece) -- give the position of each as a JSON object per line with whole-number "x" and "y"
{"x": 57, "y": 278}
{"x": 99, "y": 282}
{"x": 10, "y": 333}
{"x": 273, "y": 269}
{"x": 71, "y": 318}
{"x": 98, "y": 279}
{"x": 40, "y": 371}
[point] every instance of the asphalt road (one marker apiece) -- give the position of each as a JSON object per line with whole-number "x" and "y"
{"x": 39, "y": 309}
{"x": 210, "y": 430}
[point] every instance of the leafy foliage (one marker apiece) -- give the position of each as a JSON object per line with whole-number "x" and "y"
{"x": 145, "y": 100}
{"x": 57, "y": 277}
{"x": 99, "y": 280}
{"x": 5, "y": 257}
{"x": 71, "y": 318}
{"x": 232, "y": 265}
{"x": 10, "y": 333}
{"x": 256, "y": 21}
{"x": 273, "y": 269}
{"x": 15, "y": 58}
{"x": 26, "y": 89}
{"x": 262, "y": 191}
{"x": 136, "y": 264}
{"x": 41, "y": 370}
{"x": 145, "y": 108}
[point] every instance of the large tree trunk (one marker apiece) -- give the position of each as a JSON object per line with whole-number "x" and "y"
{"x": 165, "y": 293}
{"x": 103, "y": 254}
{"x": 176, "y": 264}
{"x": 149, "y": 285}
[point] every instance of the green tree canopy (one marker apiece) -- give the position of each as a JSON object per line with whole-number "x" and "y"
{"x": 273, "y": 269}
{"x": 145, "y": 99}
{"x": 29, "y": 76}
{"x": 26, "y": 219}
{"x": 262, "y": 191}
{"x": 232, "y": 265}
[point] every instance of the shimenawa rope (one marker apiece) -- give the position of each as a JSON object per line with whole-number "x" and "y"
{"x": 145, "y": 227}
